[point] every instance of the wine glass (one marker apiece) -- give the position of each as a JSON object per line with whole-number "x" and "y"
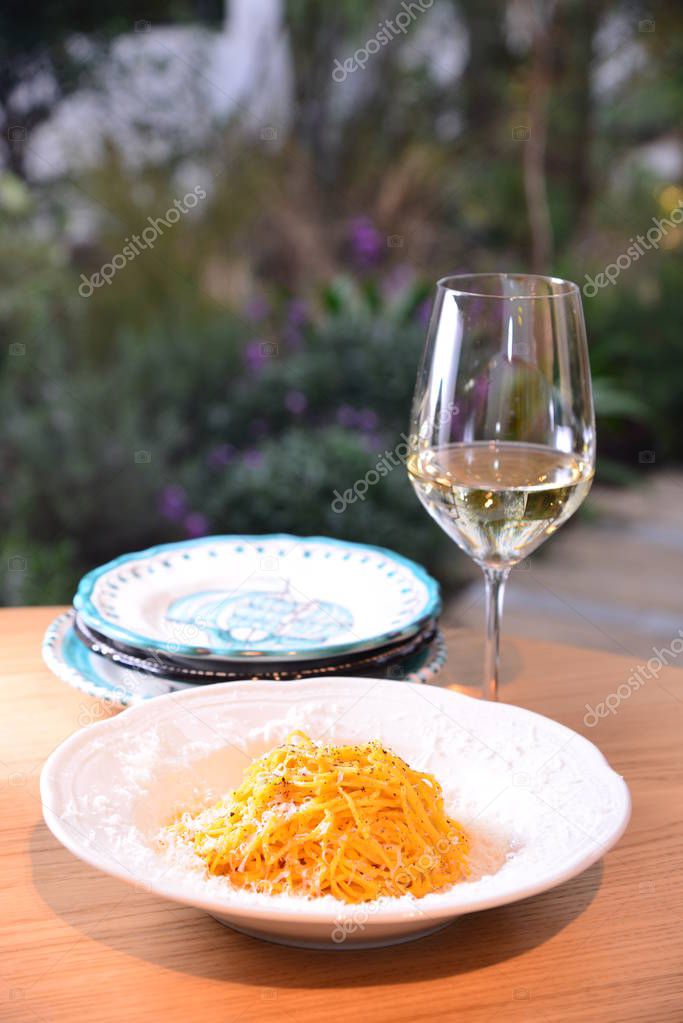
{"x": 502, "y": 438}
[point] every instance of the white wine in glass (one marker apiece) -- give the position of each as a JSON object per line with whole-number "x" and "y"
{"x": 502, "y": 444}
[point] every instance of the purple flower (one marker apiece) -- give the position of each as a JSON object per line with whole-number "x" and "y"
{"x": 367, "y": 420}
{"x": 295, "y": 319}
{"x": 173, "y": 503}
{"x": 255, "y": 354}
{"x": 296, "y": 402}
{"x": 252, "y": 458}
{"x": 366, "y": 242}
{"x": 196, "y": 524}
{"x": 220, "y": 456}
{"x": 346, "y": 416}
{"x": 297, "y": 313}
{"x": 423, "y": 313}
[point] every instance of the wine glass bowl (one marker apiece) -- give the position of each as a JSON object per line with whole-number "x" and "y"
{"x": 502, "y": 437}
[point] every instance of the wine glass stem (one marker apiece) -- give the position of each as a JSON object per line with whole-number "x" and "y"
{"x": 495, "y": 591}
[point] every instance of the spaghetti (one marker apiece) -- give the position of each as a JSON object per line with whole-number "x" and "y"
{"x": 355, "y": 822}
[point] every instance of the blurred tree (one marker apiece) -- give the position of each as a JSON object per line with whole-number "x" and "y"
{"x": 485, "y": 95}
{"x": 318, "y": 34}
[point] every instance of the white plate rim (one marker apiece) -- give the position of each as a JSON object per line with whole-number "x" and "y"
{"x": 271, "y": 910}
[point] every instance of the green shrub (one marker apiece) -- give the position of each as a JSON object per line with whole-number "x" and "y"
{"x": 177, "y": 430}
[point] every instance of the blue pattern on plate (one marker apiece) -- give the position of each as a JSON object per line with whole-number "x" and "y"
{"x": 277, "y": 619}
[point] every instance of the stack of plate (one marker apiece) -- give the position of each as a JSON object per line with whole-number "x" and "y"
{"x": 227, "y": 608}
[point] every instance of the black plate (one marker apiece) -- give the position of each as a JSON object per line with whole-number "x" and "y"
{"x": 164, "y": 666}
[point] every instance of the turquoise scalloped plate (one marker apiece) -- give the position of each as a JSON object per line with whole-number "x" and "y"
{"x": 275, "y": 597}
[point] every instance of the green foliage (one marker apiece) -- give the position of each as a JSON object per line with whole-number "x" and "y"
{"x": 637, "y": 345}
{"x": 173, "y": 429}
{"x": 32, "y": 572}
{"x": 162, "y": 407}
{"x": 293, "y": 485}
{"x": 127, "y": 430}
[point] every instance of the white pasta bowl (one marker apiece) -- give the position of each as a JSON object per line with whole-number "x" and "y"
{"x": 541, "y": 803}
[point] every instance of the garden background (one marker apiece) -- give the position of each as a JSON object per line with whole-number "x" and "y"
{"x": 256, "y": 356}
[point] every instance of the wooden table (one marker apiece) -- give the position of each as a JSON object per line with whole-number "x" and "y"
{"x": 606, "y": 947}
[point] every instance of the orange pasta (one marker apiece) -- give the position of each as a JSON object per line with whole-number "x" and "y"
{"x": 355, "y": 822}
